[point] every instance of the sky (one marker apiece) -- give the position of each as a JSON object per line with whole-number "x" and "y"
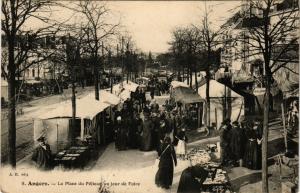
{"x": 150, "y": 23}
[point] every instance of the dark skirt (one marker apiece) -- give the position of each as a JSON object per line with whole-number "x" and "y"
{"x": 252, "y": 157}
{"x": 121, "y": 141}
{"x": 146, "y": 140}
{"x": 164, "y": 175}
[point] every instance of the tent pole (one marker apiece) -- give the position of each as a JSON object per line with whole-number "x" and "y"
{"x": 216, "y": 118}
{"x": 82, "y": 129}
{"x": 198, "y": 115}
{"x": 56, "y": 138}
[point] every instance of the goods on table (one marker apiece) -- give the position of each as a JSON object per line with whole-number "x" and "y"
{"x": 218, "y": 178}
{"x": 198, "y": 156}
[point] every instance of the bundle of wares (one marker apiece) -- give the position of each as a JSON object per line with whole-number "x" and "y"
{"x": 216, "y": 180}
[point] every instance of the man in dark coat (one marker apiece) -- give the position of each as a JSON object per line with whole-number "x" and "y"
{"x": 121, "y": 135}
{"x": 42, "y": 155}
{"x": 146, "y": 135}
{"x": 253, "y": 154}
{"x": 236, "y": 142}
{"x": 188, "y": 182}
{"x": 156, "y": 131}
{"x": 108, "y": 129}
{"x": 134, "y": 131}
{"x": 225, "y": 142}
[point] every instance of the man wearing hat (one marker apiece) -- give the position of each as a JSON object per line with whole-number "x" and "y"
{"x": 225, "y": 141}
{"x": 236, "y": 142}
{"x": 42, "y": 156}
{"x": 121, "y": 135}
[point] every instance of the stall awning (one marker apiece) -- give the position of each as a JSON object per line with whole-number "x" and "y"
{"x": 131, "y": 86}
{"x": 176, "y": 84}
{"x": 124, "y": 95}
{"x": 109, "y": 98}
{"x": 86, "y": 107}
{"x": 186, "y": 95}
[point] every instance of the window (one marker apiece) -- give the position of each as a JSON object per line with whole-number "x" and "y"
{"x": 33, "y": 73}
{"x": 27, "y": 72}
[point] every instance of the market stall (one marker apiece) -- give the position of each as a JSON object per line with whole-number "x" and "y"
{"x": 175, "y": 84}
{"x": 128, "y": 87}
{"x": 224, "y": 103}
{"x": 56, "y": 123}
{"x": 191, "y": 105}
{"x": 217, "y": 179}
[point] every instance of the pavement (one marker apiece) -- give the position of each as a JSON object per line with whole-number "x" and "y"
{"x": 138, "y": 166}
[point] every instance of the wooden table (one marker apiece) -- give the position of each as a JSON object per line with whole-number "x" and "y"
{"x": 74, "y": 157}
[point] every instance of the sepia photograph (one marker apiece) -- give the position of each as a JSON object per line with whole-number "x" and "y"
{"x": 149, "y": 96}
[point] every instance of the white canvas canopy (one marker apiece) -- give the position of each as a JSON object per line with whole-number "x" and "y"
{"x": 176, "y": 84}
{"x": 234, "y": 105}
{"x": 131, "y": 86}
{"x": 124, "y": 95}
{"x": 109, "y": 98}
{"x": 55, "y": 123}
{"x": 86, "y": 107}
{"x": 105, "y": 97}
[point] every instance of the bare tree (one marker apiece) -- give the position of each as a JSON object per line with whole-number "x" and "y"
{"x": 68, "y": 54}
{"x": 266, "y": 30}
{"x": 22, "y": 51}
{"x": 210, "y": 41}
{"x": 177, "y": 48}
{"x": 97, "y": 29}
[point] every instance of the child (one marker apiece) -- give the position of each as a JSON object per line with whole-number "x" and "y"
{"x": 181, "y": 141}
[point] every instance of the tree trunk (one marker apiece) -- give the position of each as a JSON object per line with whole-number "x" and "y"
{"x": 207, "y": 98}
{"x": 96, "y": 82}
{"x": 183, "y": 75}
{"x": 11, "y": 104}
{"x": 265, "y": 140}
{"x": 196, "y": 82}
{"x": 187, "y": 76}
{"x": 207, "y": 82}
{"x": 191, "y": 78}
{"x": 73, "y": 112}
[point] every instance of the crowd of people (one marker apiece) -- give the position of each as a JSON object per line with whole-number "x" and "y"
{"x": 143, "y": 124}
{"x": 241, "y": 143}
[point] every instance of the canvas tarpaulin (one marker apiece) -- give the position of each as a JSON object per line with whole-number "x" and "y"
{"x": 56, "y": 131}
{"x": 186, "y": 96}
{"x": 86, "y": 107}
{"x": 176, "y": 84}
{"x": 223, "y": 101}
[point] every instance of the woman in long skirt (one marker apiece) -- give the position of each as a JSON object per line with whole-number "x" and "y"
{"x": 252, "y": 157}
{"x": 164, "y": 175}
{"x": 146, "y": 137}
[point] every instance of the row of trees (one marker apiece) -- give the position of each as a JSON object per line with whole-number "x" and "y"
{"x": 86, "y": 42}
{"x": 197, "y": 48}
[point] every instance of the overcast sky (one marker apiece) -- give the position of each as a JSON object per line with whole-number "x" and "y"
{"x": 150, "y": 22}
